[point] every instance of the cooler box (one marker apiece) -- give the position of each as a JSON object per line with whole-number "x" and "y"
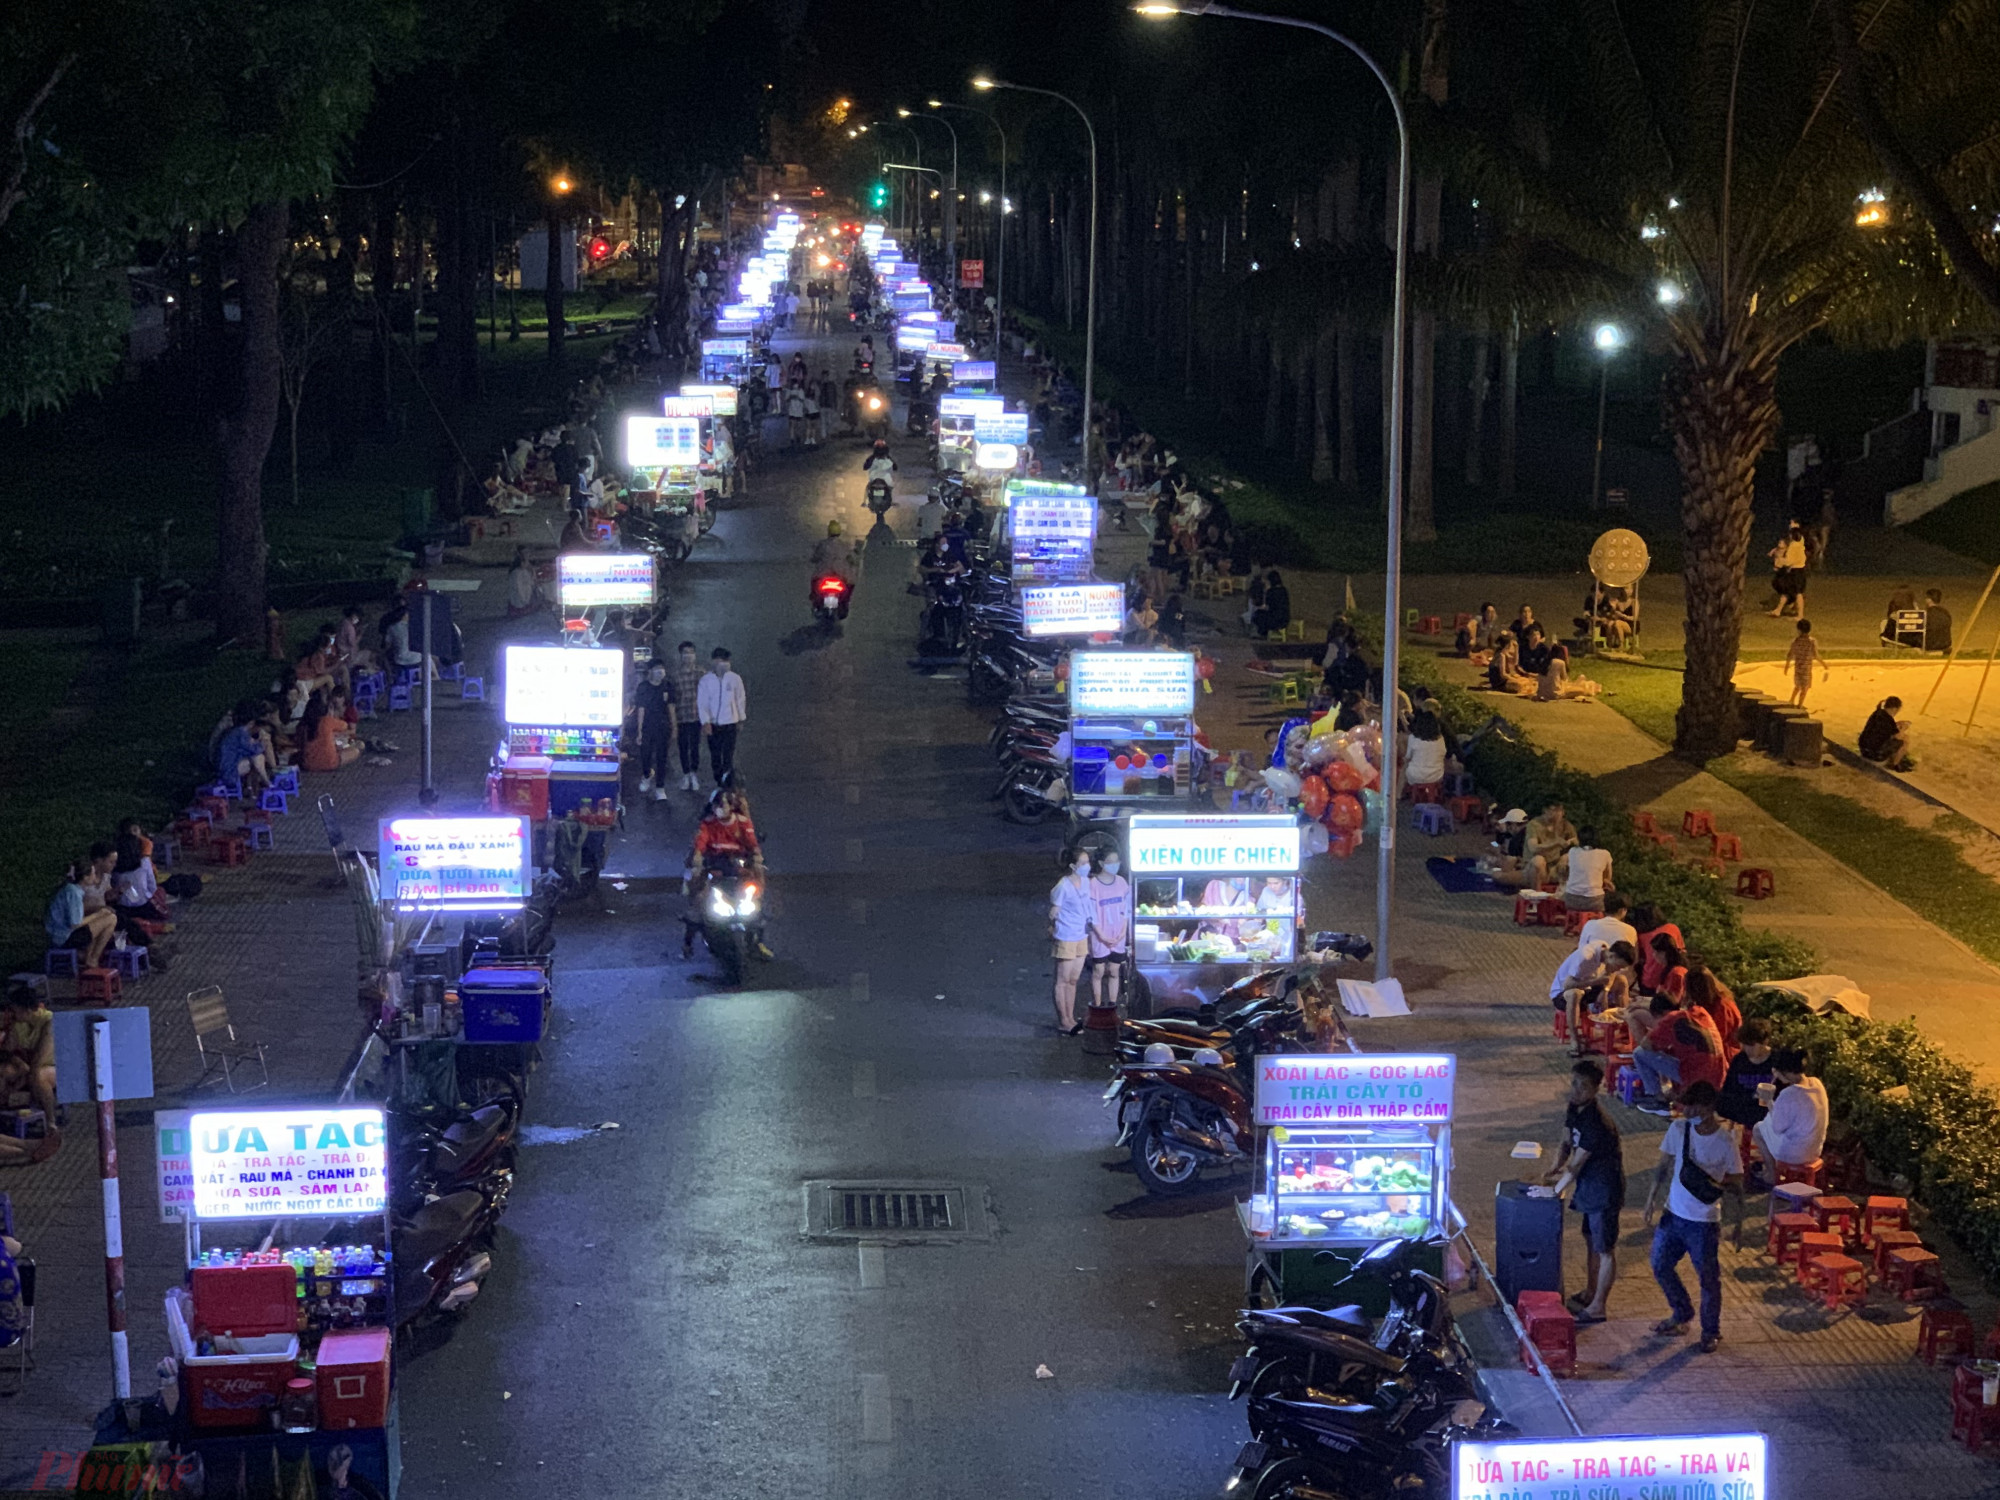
{"x": 1527, "y": 1249}
{"x": 503, "y": 1004}
{"x": 245, "y": 1300}
{"x": 238, "y": 1389}
{"x": 524, "y": 786}
{"x": 353, "y": 1375}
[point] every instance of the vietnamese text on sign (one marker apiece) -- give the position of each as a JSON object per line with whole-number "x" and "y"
{"x": 276, "y": 1163}
{"x": 1697, "y": 1467}
{"x": 1316, "y": 1089}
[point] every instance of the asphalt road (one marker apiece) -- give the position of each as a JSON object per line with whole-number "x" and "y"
{"x": 658, "y": 1322}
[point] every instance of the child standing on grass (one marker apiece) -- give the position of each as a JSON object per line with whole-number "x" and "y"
{"x": 1801, "y": 658}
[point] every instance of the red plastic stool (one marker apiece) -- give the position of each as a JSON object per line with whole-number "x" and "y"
{"x": 1915, "y": 1275}
{"x": 1553, "y": 912}
{"x": 217, "y": 808}
{"x": 1944, "y": 1332}
{"x": 1813, "y": 1244}
{"x": 1573, "y": 921}
{"x": 1755, "y": 883}
{"x": 1430, "y": 625}
{"x": 1811, "y": 1173}
{"x": 1838, "y": 1215}
{"x": 1781, "y": 1237}
{"x": 1972, "y": 1420}
{"x": 1661, "y": 839}
{"x": 1527, "y": 909}
{"x": 1562, "y": 1026}
{"x": 1466, "y": 809}
{"x": 229, "y": 849}
{"x": 1551, "y": 1329}
{"x": 1698, "y": 822}
{"x": 1727, "y": 846}
{"x": 99, "y": 984}
{"x": 1642, "y": 822}
{"x": 1890, "y": 1241}
{"x": 1460, "y": 620}
{"x": 1837, "y": 1280}
{"x": 194, "y": 832}
{"x": 1882, "y": 1214}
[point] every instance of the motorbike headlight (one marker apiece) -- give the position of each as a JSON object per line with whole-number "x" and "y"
{"x": 747, "y": 907}
{"x": 718, "y": 903}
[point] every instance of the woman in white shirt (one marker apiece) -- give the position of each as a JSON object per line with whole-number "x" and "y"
{"x": 1589, "y": 874}
{"x": 1071, "y": 909}
{"x": 1423, "y": 767}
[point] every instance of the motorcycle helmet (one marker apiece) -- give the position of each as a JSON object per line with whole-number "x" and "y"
{"x": 1207, "y": 1057}
{"x": 1158, "y": 1055}
{"x": 833, "y": 527}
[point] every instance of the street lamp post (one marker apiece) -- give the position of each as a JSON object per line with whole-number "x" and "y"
{"x": 1392, "y": 605}
{"x": 1610, "y": 339}
{"x": 951, "y": 193}
{"x": 1090, "y": 274}
{"x": 1000, "y": 273}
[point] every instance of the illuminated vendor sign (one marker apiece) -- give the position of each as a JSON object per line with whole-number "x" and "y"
{"x": 738, "y": 312}
{"x": 1728, "y": 1467}
{"x": 287, "y": 1163}
{"x": 1001, "y": 427}
{"x": 914, "y": 338}
{"x": 725, "y": 348}
{"x": 910, "y": 301}
{"x": 457, "y": 864}
{"x": 661, "y": 442}
{"x": 973, "y": 371}
{"x": 722, "y": 396}
{"x": 562, "y": 687}
{"x": 604, "y": 578}
{"x": 1131, "y": 683}
{"x": 1073, "y": 609}
{"x": 685, "y": 405}
{"x": 1050, "y": 536}
{"x": 1253, "y": 844}
{"x": 972, "y": 408}
{"x": 1318, "y": 1088}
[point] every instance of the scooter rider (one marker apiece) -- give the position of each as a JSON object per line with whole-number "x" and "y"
{"x": 724, "y": 834}
{"x": 830, "y": 555}
{"x": 879, "y": 465}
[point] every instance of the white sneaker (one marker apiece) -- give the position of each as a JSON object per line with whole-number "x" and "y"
{"x": 645, "y": 785}
{"x": 659, "y": 794}
{"x": 692, "y": 782}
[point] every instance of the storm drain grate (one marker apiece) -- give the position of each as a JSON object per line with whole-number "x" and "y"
{"x": 894, "y": 1211}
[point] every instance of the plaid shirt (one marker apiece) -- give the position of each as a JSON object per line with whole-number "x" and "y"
{"x": 687, "y": 683}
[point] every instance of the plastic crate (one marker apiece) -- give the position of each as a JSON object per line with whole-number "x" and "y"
{"x": 503, "y": 1004}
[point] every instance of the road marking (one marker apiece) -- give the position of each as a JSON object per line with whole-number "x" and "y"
{"x": 874, "y": 1274}
{"x": 857, "y": 987}
{"x": 853, "y": 793}
{"x": 864, "y": 1080}
{"x": 854, "y": 851}
{"x": 877, "y": 1417}
{"x": 857, "y": 912}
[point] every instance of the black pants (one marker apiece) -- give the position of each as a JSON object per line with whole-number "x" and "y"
{"x": 654, "y": 752}
{"x": 689, "y": 736}
{"x": 722, "y": 750}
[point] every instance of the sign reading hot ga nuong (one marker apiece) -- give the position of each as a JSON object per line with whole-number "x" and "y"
{"x": 1360, "y": 1089}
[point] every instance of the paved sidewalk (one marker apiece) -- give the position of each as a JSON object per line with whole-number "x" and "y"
{"x": 279, "y": 936}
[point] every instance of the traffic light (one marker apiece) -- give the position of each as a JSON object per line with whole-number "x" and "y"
{"x": 878, "y": 195}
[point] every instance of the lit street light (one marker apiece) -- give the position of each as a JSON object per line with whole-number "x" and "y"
{"x": 1090, "y": 274}
{"x": 1609, "y": 338}
{"x": 1392, "y": 606}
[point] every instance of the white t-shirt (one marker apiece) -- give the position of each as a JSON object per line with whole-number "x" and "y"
{"x": 1589, "y": 873}
{"x": 1715, "y": 1154}
{"x": 1073, "y": 906}
{"x": 1577, "y": 971}
{"x": 1425, "y": 766}
{"x": 1795, "y": 1129}
{"x": 1608, "y": 930}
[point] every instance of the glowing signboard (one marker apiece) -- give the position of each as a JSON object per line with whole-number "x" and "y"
{"x": 1377, "y": 1088}
{"x": 972, "y": 408}
{"x": 996, "y": 457}
{"x": 723, "y": 397}
{"x": 662, "y": 442}
{"x": 1728, "y": 1467}
{"x": 455, "y": 864}
{"x": 1050, "y": 536}
{"x": 944, "y": 353}
{"x": 563, "y": 687}
{"x": 287, "y": 1163}
{"x": 1131, "y": 683}
{"x": 1249, "y": 844}
{"x": 909, "y": 301}
{"x": 725, "y": 348}
{"x": 1073, "y": 609}
{"x": 738, "y": 312}
{"x": 585, "y": 579}
{"x": 1001, "y": 427}
{"x": 685, "y": 405}
{"x": 973, "y": 371}
{"x": 913, "y": 338}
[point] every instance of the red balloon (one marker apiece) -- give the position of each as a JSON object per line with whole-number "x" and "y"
{"x": 1344, "y": 813}
{"x": 1313, "y": 797}
{"x": 1342, "y": 776}
{"x": 1340, "y": 845}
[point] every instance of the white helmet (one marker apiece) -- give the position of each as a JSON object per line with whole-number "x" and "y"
{"x": 1158, "y": 1055}
{"x": 1207, "y": 1057}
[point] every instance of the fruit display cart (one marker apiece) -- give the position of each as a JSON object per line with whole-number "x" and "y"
{"x": 1214, "y": 894}
{"x": 1357, "y": 1149}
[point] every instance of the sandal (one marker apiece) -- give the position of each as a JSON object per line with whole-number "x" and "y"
{"x": 1583, "y": 1318}
{"x": 1668, "y": 1328}
{"x": 1076, "y": 1030}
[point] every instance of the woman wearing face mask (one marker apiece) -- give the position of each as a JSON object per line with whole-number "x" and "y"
{"x": 1070, "y": 911}
{"x": 1110, "y": 929}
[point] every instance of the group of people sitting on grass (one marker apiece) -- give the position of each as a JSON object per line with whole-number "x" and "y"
{"x": 111, "y": 896}
{"x": 1521, "y": 657}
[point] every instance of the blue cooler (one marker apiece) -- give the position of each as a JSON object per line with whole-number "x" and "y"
{"x": 504, "y": 1004}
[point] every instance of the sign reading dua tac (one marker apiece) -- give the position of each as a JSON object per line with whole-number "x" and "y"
{"x": 277, "y": 1163}
{"x": 1323, "y": 1089}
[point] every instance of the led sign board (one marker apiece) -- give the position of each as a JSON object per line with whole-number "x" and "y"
{"x": 1729, "y": 1467}
{"x": 1131, "y": 684}
{"x": 288, "y": 1163}
{"x": 455, "y": 864}
{"x": 1073, "y": 609}
{"x": 564, "y": 687}
{"x": 1253, "y": 844}
{"x": 662, "y": 442}
{"x": 585, "y": 579}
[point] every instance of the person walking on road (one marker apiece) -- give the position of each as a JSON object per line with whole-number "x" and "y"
{"x": 1072, "y": 908}
{"x": 1698, "y": 1161}
{"x": 653, "y": 704}
{"x": 687, "y": 732}
{"x": 1592, "y": 1162}
{"x": 722, "y": 707}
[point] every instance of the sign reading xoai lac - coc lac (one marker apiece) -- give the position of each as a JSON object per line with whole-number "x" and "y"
{"x": 455, "y": 864}
{"x": 280, "y": 1163}
{"x": 1697, "y": 1467}
{"x": 1359, "y": 1089}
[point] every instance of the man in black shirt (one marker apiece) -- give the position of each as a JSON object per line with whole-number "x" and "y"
{"x": 1592, "y": 1162}
{"x": 653, "y": 702}
{"x": 1937, "y": 623}
{"x": 1738, "y": 1101}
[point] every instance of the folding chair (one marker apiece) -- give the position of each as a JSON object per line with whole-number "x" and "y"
{"x": 216, "y": 1042}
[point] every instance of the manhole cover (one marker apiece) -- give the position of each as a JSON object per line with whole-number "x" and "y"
{"x": 895, "y": 1211}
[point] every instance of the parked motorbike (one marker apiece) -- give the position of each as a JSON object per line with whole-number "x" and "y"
{"x": 1179, "y": 1118}
{"x": 732, "y": 916}
{"x": 443, "y": 1251}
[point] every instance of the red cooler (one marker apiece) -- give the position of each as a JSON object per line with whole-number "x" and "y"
{"x": 353, "y": 1372}
{"x": 524, "y": 786}
{"x": 236, "y": 1388}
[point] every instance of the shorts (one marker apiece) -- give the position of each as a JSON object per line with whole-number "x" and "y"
{"x": 1583, "y": 903}
{"x": 1600, "y": 1230}
{"x": 1107, "y": 960}
{"x": 1069, "y": 948}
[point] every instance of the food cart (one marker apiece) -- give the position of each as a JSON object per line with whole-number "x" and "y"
{"x": 283, "y": 1328}
{"x": 590, "y": 583}
{"x": 1726, "y": 1466}
{"x": 564, "y": 707}
{"x": 1131, "y": 724}
{"x": 1357, "y": 1149}
{"x": 1214, "y": 894}
{"x": 1050, "y": 530}
{"x": 725, "y": 360}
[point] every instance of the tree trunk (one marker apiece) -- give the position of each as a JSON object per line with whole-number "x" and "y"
{"x": 1510, "y": 405}
{"x": 552, "y": 288}
{"x": 1326, "y": 379}
{"x": 382, "y": 276}
{"x": 1722, "y": 411}
{"x": 1302, "y": 401}
{"x": 247, "y": 431}
{"x": 1477, "y": 387}
{"x": 1274, "y": 394}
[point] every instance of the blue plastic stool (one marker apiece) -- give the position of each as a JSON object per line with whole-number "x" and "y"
{"x": 130, "y": 962}
{"x": 399, "y": 696}
{"x": 165, "y": 852}
{"x": 287, "y": 780}
{"x": 451, "y": 671}
{"x": 67, "y": 959}
{"x": 1432, "y": 818}
{"x": 1458, "y": 784}
{"x": 472, "y": 689}
{"x": 260, "y": 835}
{"x": 275, "y": 799}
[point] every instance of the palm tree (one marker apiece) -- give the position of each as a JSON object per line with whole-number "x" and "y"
{"x": 1694, "y": 171}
